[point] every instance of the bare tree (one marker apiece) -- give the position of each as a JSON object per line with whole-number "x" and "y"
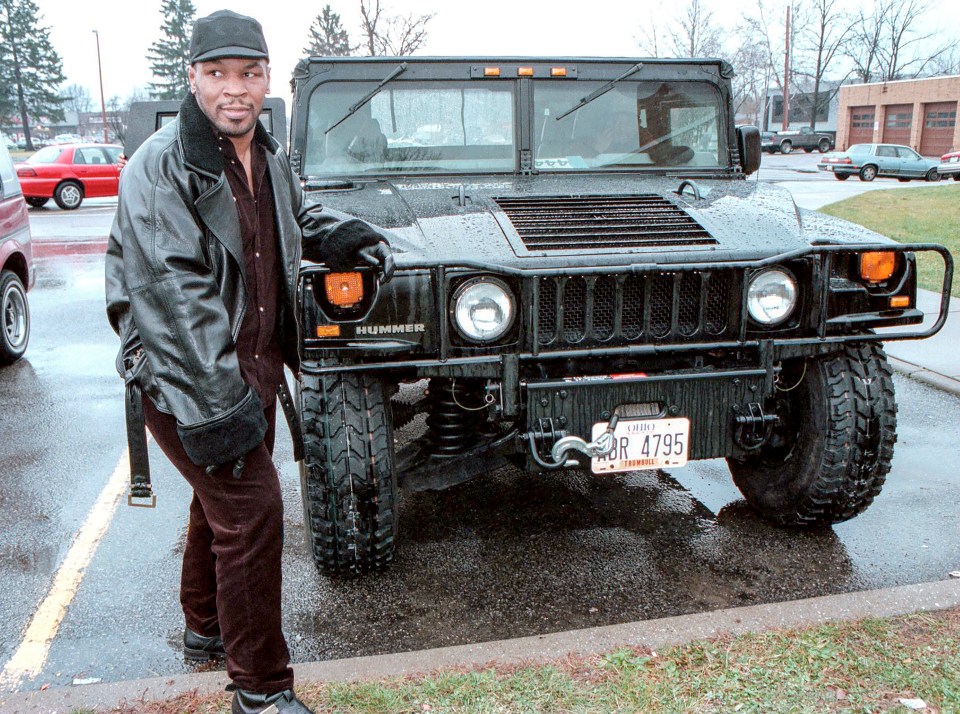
{"x": 650, "y": 42}
{"x": 769, "y": 38}
{"x": 76, "y": 98}
{"x": 692, "y": 32}
{"x": 119, "y": 111}
{"x": 753, "y": 75}
{"x": 396, "y": 35}
{"x": 822, "y": 37}
{"x": 888, "y": 43}
{"x": 863, "y": 49}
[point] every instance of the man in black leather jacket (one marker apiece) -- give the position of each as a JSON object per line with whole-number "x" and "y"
{"x": 201, "y": 275}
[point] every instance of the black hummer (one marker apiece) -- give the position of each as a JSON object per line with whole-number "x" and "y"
{"x": 587, "y": 280}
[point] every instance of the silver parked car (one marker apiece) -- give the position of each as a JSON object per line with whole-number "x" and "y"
{"x": 884, "y": 160}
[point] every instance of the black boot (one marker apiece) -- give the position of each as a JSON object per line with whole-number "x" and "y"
{"x": 284, "y": 702}
{"x": 201, "y": 649}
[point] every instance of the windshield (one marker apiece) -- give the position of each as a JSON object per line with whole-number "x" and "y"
{"x": 636, "y": 124}
{"x": 46, "y": 155}
{"x": 415, "y": 127}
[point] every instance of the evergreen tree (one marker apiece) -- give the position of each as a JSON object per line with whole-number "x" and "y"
{"x": 170, "y": 54}
{"x": 32, "y": 68}
{"x": 327, "y": 36}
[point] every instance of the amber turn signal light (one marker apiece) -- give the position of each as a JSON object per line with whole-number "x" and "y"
{"x": 491, "y": 71}
{"x": 558, "y": 71}
{"x": 900, "y": 301}
{"x": 344, "y": 289}
{"x": 328, "y": 330}
{"x": 525, "y": 71}
{"x": 876, "y": 267}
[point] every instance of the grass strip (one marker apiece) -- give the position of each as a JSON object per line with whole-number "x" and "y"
{"x": 911, "y": 215}
{"x": 865, "y": 666}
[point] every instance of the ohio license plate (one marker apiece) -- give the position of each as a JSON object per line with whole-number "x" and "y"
{"x": 644, "y": 444}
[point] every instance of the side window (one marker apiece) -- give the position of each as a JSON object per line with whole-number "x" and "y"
{"x": 90, "y": 155}
{"x": 8, "y": 175}
{"x": 113, "y": 153}
{"x": 888, "y": 151}
{"x": 906, "y": 153}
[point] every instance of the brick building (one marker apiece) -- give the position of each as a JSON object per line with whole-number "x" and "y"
{"x": 920, "y": 113}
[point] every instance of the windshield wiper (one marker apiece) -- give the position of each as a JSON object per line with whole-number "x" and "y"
{"x": 374, "y": 92}
{"x": 584, "y": 101}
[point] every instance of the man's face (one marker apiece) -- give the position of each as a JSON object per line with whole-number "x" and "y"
{"x": 230, "y": 92}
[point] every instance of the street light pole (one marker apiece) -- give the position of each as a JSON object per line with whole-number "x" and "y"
{"x": 103, "y": 106}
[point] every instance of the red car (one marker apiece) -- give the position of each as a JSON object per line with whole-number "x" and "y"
{"x": 16, "y": 264}
{"x": 68, "y": 173}
{"x": 950, "y": 165}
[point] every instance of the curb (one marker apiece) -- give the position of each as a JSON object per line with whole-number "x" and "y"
{"x": 928, "y": 377}
{"x": 651, "y": 633}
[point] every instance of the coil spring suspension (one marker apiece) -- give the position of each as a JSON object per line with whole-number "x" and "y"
{"x": 456, "y": 410}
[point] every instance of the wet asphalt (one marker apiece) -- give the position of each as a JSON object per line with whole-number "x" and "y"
{"x": 502, "y": 556}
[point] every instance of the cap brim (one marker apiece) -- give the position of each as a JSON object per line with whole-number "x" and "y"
{"x": 224, "y": 52}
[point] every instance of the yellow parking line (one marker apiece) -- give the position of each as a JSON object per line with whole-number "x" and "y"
{"x": 31, "y": 655}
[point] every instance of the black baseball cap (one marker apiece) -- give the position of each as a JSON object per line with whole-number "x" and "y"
{"x": 227, "y": 34}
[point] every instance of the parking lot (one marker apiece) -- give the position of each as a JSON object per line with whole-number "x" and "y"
{"x": 502, "y": 556}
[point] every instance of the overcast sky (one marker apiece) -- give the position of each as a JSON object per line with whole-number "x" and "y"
{"x": 459, "y": 27}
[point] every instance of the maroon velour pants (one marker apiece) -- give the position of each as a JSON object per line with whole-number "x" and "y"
{"x": 230, "y": 583}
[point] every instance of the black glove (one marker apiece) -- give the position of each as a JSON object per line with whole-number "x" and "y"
{"x": 340, "y": 250}
{"x": 379, "y": 256}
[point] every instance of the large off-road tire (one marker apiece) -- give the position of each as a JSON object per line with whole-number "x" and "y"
{"x": 828, "y": 458}
{"x": 14, "y": 318}
{"x": 349, "y": 486}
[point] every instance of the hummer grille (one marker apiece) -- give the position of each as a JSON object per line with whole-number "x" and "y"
{"x": 617, "y": 309}
{"x": 583, "y": 222}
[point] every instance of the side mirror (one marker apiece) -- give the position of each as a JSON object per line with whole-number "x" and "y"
{"x": 748, "y": 146}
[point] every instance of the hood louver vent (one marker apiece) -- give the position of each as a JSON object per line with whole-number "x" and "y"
{"x": 584, "y": 222}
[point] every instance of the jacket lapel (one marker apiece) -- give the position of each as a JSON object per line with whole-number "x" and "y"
{"x": 215, "y": 207}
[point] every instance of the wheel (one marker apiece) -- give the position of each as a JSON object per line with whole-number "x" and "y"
{"x": 903, "y": 180}
{"x": 69, "y": 195}
{"x": 15, "y": 314}
{"x": 37, "y": 201}
{"x": 808, "y": 149}
{"x": 841, "y": 177}
{"x": 786, "y": 147}
{"x": 824, "y": 146}
{"x": 956, "y": 176}
{"x": 349, "y": 486}
{"x": 827, "y": 459}
{"x": 868, "y": 173}
{"x": 932, "y": 175}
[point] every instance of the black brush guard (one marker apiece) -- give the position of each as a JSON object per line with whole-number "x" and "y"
{"x": 736, "y": 337}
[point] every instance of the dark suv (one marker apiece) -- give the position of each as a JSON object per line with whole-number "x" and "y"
{"x": 586, "y": 280}
{"x": 16, "y": 264}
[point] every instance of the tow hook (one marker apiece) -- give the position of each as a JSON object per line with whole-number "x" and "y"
{"x": 563, "y": 444}
{"x": 753, "y": 427}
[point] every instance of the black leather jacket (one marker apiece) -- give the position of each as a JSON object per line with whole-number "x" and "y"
{"x": 175, "y": 283}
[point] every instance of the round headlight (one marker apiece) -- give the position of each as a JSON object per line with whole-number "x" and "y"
{"x": 772, "y": 296}
{"x": 483, "y": 309}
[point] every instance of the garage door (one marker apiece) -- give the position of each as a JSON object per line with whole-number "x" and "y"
{"x": 861, "y": 125}
{"x": 897, "y": 123}
{"x": 939, "y": 122}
